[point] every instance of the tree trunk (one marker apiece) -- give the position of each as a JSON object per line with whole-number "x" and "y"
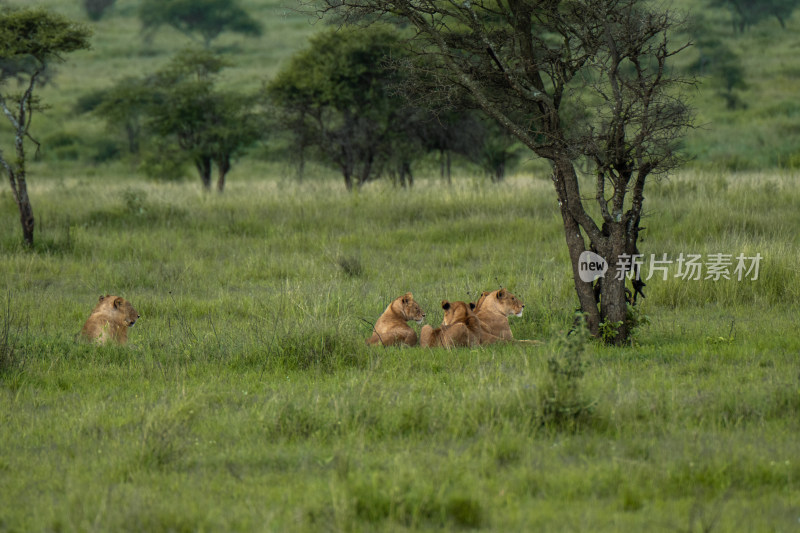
{"x": 19, "y": 188}
{"x": 444, "y": 166}
{"x": 223, "y": 166}
{"x": 562, "y": 171}
{"x": 613, "y": 301}
{"x": 348, "y": 180}
{"x": 586, "y": 298}
{"x": 406, "y": 178}
{"x": 203, "y": 165}
{"x": 26, "y": 214}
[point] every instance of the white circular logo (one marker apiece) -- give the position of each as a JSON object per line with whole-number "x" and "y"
{"x": 591, "y": 266}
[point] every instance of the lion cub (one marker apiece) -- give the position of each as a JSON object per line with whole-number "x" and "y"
{"x": 460, "y": 327}
{"x": 110, "y": 319}
{"x": 493, "y": 310}
{"x": 392, "y": 328}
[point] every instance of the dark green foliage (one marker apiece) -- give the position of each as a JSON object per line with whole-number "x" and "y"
{"x": 95, "y": 9}
{"x": 208, "y": 18}
{"x": 351, "y": 266}
{"x": 211, "y": 126}
{"x": 746, "y": 13}
{"x": 496, "y": 151}
{"x": 336, "y": 98}
{"x": 124, "y": 107}
{"x": 720, "y": 63}
{"x": 39, "y": 34}
{"x": 182, "y": 117}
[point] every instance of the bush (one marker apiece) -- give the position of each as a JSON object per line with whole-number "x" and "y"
{"x": 561, "y": 403}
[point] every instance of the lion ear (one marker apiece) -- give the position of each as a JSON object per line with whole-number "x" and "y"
{"x": 472, "y": 306}
{"x": 117, "y": 302}
{"x": 101, "y": 298}
{"x": 407, "y": 297}
{"x": 445, "y": 305}
{"x": 501, "y": 293}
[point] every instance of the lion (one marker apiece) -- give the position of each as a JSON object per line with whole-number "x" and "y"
{"x": 460, "y": 327}
{"x": 493, "y": 310}
{"x": 110, "y": 320}
{"x": 392, "y": 328}
{"x": 457, "y": 334}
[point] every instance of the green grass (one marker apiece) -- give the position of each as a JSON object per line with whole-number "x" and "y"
{"x": 247, "y": 400}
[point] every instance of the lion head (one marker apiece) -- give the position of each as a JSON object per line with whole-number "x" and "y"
{"x": 456, "y": 312}
{"x": 119, "y": 308}
{"x": 409, "y": 309}
{"x": 500, "y": 301}
{"x": 505, "y": 302}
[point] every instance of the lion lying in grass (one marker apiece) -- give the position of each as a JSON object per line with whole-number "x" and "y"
{"x": 392, "y": 326}
{"x": 493, "y": 310}
{"x": 110, "y": 320}
{"x": 460, "y": 327}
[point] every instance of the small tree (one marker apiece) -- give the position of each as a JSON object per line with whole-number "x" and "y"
{"x": 30, "y": 40}
{"x": 336, "y": 96}
{"x": 210, "y": 126}
{"x": 124, "y": 107}
{"x": 208, "y": 18}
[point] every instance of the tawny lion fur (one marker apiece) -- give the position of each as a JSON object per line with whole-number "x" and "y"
{"x": 460, "y": 327}
{"x": 110, "y": 320}
{"x": 493, "y": 310}
{"x": 392, "y": 326}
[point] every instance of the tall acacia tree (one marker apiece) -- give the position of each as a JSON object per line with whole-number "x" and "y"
{"x": 575, "y": 81}
{"x": 30, "y": 40}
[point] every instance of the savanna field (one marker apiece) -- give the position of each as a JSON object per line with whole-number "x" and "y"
{"x": 247, "y": 399}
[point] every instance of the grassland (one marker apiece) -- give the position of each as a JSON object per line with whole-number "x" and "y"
{"x": 247, "y": 400}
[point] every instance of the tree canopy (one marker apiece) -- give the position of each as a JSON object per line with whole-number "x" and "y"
{"x": 208, "y": 18}
{"x": 336, "y": 96}
{"x": 211, "y": 126}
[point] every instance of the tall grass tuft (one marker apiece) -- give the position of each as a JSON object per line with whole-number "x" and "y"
{"x": 12, "y": 361}
{"x": 562, "y": 402}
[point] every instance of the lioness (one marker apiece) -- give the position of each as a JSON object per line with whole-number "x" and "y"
{"x": 493, "y": 310}
{"x": 392, "y": 328}
{"x": 460, "y": 327}
{"x": 110, "y": 319}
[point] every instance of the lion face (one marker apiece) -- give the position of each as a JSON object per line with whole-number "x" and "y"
{"x": 411, "y": 309}
{"x": 118, "y": 307}
{"x": 509, "y": 304}
{"x": 456, "y": 312}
